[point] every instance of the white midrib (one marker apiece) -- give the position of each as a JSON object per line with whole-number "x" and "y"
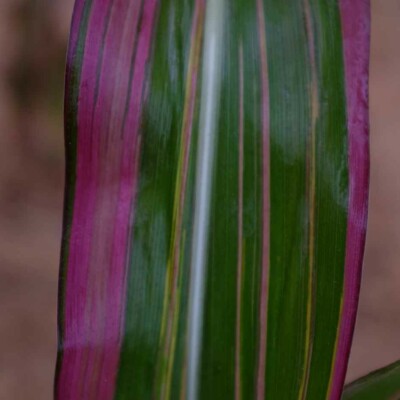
{"x": 209, "y": 112}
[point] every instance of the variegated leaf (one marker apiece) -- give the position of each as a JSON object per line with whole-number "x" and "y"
{"x": 215, "y": 213}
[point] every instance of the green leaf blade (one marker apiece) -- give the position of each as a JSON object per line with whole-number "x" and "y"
{"x": 383, "y": 384}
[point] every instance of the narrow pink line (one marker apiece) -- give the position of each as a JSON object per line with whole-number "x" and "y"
{"x": 238, "y": 386}
{"x": 265, "y": 206}
{"x": 355, "y": 16}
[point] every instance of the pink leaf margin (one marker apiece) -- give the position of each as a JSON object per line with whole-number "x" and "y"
{"x": 355, "y": 16}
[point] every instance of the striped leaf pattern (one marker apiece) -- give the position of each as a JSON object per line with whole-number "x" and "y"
{"x": 216, "y": 198}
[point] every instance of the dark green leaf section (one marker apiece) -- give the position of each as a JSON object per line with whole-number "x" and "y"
{"x": 142, "y": 362}
{"x": 383, "y": 384}
{"x": 309, "y": 179}
{"x": 331, "y": 203}
{"x": 290, "y": 130}
{"x": 252, "y": 197}
{"x": 146, "y": 369}
{"x": 220, "y": 353}
{"x": 307, "y": 219}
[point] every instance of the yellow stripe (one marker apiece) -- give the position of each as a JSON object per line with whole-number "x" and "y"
{"x": 335, "y": 349}
{"x": 175, "y": 326}
{"x": 167, "y": 341}
{"x": 311, "y": 198}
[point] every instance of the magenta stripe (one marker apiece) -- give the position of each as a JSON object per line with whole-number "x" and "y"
{"x": 127, "y": 180}
{"x": 106, "y": 178}
{"x": 123, "y": 180}
{"x": 76, "y": 338}
{"x": 106, "y": 197}
{"x": 105, "y": 281}
{"x": 238, "y": 339}
{"x": 355, "y": 16}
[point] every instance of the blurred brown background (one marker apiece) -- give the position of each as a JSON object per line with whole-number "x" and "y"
{"x": 33, "y": 36}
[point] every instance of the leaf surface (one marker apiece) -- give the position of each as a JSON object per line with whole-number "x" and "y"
{"x": 216, "y": 198}
{"x": 383, "y": 384}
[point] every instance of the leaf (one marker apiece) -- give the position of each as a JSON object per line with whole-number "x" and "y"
{"x": 216, "y": 198}
{"x": 383, "y": 384}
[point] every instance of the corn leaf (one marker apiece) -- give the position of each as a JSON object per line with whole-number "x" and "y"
{"x": 216, "y": 198}
{"x": 383, "y": 384}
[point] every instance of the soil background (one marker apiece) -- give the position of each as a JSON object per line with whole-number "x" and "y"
{"x": 33, "y": 35}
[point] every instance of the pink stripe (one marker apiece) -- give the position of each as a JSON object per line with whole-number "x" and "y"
{"x": 127, "y": 180}
{"x": 356, "y": 33}
{"x": 238, "y": 376}
{"x": 265, "y": 169}
{"x": 106, "y": 200}
{"x": 76, "y": 335}
{"x": 106, "y": 178}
